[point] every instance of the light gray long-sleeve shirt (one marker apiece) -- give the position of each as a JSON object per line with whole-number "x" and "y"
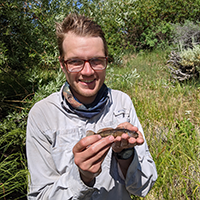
{"x": 53, "y": 130}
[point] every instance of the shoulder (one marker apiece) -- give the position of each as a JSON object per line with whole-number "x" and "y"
{"x": 120, "y": 100}
{"x": 118, "y": 95}
{"x": 46, "y": 104}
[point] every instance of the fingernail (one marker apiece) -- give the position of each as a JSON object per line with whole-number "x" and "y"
{"x": 111, "y": 138}
{"x": 99, "y": 136}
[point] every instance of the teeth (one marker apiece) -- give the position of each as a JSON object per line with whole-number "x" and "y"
{"x": 87, "y": 81}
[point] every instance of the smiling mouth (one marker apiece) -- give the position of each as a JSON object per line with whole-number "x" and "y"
{"x": 87, "y": 81}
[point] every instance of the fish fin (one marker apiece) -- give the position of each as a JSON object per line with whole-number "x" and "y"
{"x": 89, "y": 132}
{"x": 104, "y": 129}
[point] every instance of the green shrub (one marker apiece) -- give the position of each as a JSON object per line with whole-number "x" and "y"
{"x": 185, "y": 35}
{"x": 13, "y": 170}
{"x": 150, "y": 23}
{"x": 28, "y": 62}
{"x": 186, "y": 64}
{"x": 13, "y": 165}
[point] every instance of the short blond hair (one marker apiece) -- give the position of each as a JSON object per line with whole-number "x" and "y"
{"x": 81, "y": 26}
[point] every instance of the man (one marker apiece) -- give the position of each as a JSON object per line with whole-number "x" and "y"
{"x": 63, "y": 162}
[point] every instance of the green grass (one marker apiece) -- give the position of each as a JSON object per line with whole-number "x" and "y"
{"x": 169, "y": 114}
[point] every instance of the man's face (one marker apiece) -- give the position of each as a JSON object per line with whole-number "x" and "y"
{"x": 86, "y": 83}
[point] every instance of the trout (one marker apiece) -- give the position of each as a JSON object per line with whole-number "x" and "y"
{"x": 114, "y": 132}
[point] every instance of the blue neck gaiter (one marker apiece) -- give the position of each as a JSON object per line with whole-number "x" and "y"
{"x": 86, "y": 110}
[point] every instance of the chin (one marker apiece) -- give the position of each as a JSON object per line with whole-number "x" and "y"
{"x": 89, "y": 94}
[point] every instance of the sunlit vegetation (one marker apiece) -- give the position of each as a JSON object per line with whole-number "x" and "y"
{"x": 141, "y": 36}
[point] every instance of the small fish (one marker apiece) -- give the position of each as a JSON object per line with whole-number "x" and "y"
{"x": 114, "y": 132}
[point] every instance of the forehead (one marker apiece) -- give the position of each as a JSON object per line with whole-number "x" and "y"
{"x": 82, "y": 46}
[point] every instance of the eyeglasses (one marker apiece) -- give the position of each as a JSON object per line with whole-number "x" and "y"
{"x": 77, "y": 64}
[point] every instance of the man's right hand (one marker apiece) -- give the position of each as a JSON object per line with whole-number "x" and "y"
{"x": 89, "y": 154}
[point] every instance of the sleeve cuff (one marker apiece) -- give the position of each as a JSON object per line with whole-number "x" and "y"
{"x": 78, "y": 187}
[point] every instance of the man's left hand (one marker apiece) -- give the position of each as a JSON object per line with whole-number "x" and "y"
{"x": 125, "y": 141}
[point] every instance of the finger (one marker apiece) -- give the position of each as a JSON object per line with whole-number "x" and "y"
{"x": 85, "y": 142}
{"x": 120, "y": 143}
{"x": 140, "y": 139}
{"x": 93, "y": 163}
{"x": 137, "y": 141}
{"x": 128, "y": 126}
{"x": 127, "y": 142}
{"x": 95, "y": 150}
{"x": 124, "y": 143}
{"x": 99, "y": 158}
{"x": 125, "y": 136}
{"x": 124, "y": 140}
{"x": 99, "y": 147}
{"x": 116, "y": 147}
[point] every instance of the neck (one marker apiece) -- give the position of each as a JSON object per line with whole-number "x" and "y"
{"x": 85, "y": 100}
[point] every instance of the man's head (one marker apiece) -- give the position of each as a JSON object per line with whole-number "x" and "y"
{"x": 80, "y": 26}
{"x": 83, "y": 56}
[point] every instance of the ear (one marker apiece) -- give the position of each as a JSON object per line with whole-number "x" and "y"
{"x": 61, "y": 64}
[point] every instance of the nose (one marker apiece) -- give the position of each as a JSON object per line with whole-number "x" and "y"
{"x": 87, "y": 69}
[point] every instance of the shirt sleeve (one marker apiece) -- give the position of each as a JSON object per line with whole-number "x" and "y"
{"x": 45, "y": 181}
{"x": 141, "y": 174}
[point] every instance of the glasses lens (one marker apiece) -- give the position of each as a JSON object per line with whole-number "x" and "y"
{"x": 75, "y": 65}
{"x": 98, "y": 63}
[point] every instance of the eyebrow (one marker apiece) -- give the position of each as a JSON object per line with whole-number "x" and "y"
{"x": 75, "y": 57}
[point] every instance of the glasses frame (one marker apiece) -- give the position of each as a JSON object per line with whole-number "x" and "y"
{"x": 66, "y": 61}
